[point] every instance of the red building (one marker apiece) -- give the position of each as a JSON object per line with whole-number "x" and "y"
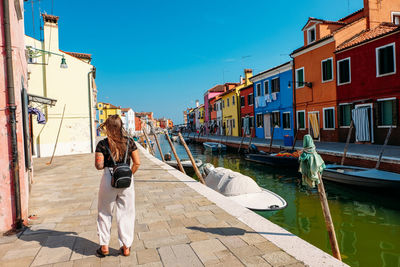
{"x": 368, "y": 82}
{"x": 247, "y": 108}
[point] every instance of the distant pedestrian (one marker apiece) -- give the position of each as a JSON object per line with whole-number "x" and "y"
{"x": 115, "y": 147}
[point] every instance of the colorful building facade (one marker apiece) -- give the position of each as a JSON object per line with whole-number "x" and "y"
{"x": 105, "y": 110}
{"x": 15, "y": 161}
{"x": 68, "y": 78}
{"x": 315, "y": 66}
{"x": 273, "y": 102}
{"x": 247, "y": 111}
{"x": 231, "y": 107}
{"x": 128, "y": 118}
{"x": 368, "y": 88}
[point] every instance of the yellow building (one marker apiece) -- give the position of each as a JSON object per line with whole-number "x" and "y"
{"x": 231, "y": 107}
{"x": 201, "y": 115}
{"x": 67, "y": 77}
{"x": 106, "y": 110}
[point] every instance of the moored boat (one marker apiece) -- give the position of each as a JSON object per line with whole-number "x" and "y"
{"x": 242, "y": 189}
{"x": 359, "y": 176}
{"x": 186, "y": 164}
{"x": 214, "y": 146}
{"x": 282, "y": 159}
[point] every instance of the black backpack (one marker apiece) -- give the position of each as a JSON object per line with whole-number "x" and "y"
{"x": 121, "y": 173}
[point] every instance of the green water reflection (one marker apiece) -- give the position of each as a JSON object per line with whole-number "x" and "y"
{"x": 367, "y": 223}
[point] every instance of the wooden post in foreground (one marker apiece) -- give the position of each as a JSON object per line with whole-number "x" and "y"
{"x": 347, "y": 142}
{"x": 328, "y": 219}
{"x": 158, "y": 146}
{"x": 383, "y": 147}
{"x": 174, "y": 152}
{"x": 295, "y": 138}
{"x": 148, "y": 142}
{"x": 251, "y": 138}
{"x": 196, "y": 170}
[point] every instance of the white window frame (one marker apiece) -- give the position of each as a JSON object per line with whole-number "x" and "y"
{"x": 290, "y": 122}
{"x": 377, "y": 61}
{"x": 386, "y": 99}
{"x": 334, "y": 118}
{"x": 305, "y": 121}
{"x": 308, "y": 34}
{"x": 266, "y": 90}
{"x": 338, "y": 72}
{"x": 252, "y": 103}
{"x": 272, "y": 118}
{"x": 277, "y": 78}
{"x": 258, "y": 85}
{"x": 322, "y": 70}
{"x": 394, "y": 13}
{"x": 256, "y": 124}
{"x": 344, "y": 104}
{"x": 297, "y": 80}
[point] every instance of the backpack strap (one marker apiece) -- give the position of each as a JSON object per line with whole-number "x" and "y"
{"x": 126, "y": 152}
{"x": 109, "y": 151}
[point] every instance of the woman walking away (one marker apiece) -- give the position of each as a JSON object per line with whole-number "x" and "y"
{"x": 117, "y": 190}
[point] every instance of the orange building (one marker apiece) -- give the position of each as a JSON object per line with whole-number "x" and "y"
{"x": 315, "y": 67}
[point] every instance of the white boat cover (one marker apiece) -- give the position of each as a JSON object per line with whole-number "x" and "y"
{"x": 243, "y": 190}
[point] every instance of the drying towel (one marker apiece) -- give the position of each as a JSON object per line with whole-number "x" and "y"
{"x": 311, "y": 163}
{"x": 312, "y": 117}
{"x": 361, "y": 123}
{"x": 41, "y": 118}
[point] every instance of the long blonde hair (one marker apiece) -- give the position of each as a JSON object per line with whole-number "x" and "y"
{"x": 117, "y": 136}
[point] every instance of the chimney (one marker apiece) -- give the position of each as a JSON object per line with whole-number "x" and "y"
{"x": 50, "y": 32}
{"x": 197, "y": 103}
{"x": 248, "y": 73}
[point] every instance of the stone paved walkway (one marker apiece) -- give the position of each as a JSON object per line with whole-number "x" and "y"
{"x": 175, "y": 225}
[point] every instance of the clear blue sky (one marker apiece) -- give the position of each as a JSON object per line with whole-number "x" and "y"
{"x": 161, "y": 56}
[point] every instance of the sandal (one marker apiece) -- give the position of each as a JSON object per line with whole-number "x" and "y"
{"x": 101, "y": 254}
{"x": 125, "y": 251}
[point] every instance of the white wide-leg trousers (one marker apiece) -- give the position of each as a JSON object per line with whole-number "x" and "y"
{"x": 123, "y": 199}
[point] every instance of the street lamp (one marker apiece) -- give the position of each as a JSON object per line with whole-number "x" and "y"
{"x": 33, "y": 52}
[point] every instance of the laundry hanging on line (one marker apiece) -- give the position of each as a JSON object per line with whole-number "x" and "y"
{"x": 41, "y": 118}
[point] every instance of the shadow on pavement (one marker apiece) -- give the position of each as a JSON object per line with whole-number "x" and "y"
{"x": 231, "y": 231}
{"x": 71, "y": 240}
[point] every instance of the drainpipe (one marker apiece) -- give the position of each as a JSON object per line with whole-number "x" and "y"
{"x": 90, "y": 109}
{"x": 294, "y": 95}
{"x": 12, "y": 110}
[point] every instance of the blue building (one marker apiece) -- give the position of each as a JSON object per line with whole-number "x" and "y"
{"x": 273, "y": 102}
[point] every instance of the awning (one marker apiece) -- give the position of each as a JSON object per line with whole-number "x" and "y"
{"x": 41, "y": 100}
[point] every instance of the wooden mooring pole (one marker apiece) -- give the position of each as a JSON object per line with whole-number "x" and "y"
{"x": 158, "y": 146}
{"x": 328, "y": 219}
{"x": 347, "y": 142}
{"x": 383, "y": 147}
{"x": 148, "y": 142}
{"x": 174, "y": 152}
{"x": 196, "y": 170}
{"x": 272, "y": 139}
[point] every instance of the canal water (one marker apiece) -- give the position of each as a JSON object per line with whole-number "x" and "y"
{"x": 367, "y": 223}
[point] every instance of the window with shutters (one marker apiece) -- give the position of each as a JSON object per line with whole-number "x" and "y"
{"x": 276, "y": 119}
{"x": 242, "y": 103}
{"x": 301, "y": 117}
{"x": 345, "y": 115}
{"x": 250, "y": 99}
{"x": 396, "y": 18}
{"x": 344, "y": 71}
{"x": 329, "y": 118}
{"x": 275, "y": 86}
{"x": 385, "y": 60}
{"x": 259, "y": 121}
{"x": 327, "y": 70}
{"x": 286, "y": 120}
{"x": 300, "y": 78}
{"x": 387, "y": 112}
{"x": 266, "y": 87}
{"x": 311, "y": 35}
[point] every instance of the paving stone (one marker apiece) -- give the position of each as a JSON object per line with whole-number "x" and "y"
{"x": 246, "y": 251}
{"x": 267, "y": 246}
{"x": 171, "y": 240}
{"x": 279, "y": 258}
{"x": 206, "y": 250}
{"x": 232, "y": 242}
{"x": 154, "y": 234}
{"x": 179, "y": 256}
{"x": 255, "y": 261}
{"x": 147, "y": 256}
{"x": 56, "y": 249}
{"x": 87, "y": 262}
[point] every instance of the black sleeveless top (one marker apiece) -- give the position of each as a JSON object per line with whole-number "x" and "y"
{"x": 102, "y": 148}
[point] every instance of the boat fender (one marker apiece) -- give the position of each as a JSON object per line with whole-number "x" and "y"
{"x": 253, "y": 149}
{"x": 274, "y": 207}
